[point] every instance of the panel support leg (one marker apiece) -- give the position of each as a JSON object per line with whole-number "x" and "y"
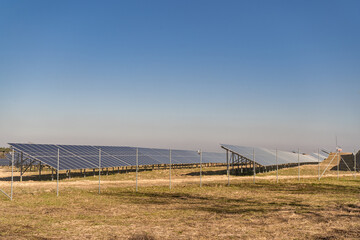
{"x": 40, "y": 170}
{"x": 21, "y": 167}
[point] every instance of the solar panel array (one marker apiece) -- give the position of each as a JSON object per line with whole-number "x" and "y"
{"x": 4, "y": 162}
{"x": 322, "y": 156}
{"x": 85, "y": 157}
{"x": 267, "y": 157}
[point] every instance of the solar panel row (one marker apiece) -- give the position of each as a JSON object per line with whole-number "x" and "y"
{"x": 84, "y": 157}
{"x": 266, "y": 157}
{"x": 4, "y": 162}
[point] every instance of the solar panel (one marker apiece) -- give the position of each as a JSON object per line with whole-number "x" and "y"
{"x": 91, "y": 155}
{"x": 126, "y": 155}
{"x": 267, "y": 157}
{"x": 84, "y": 156}
{"x": 154, "y": 155}
{"x": 213, "y": 157}
{"x": 4, "y": 162}
{"x": 48, "y": 153}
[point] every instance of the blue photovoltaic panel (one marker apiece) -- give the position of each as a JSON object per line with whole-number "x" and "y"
{"x": 212, "y": 157}
{"x": 185, "y": 157}
{"x": 127, "y": 155}
{"x": 156, "y": 155}
{"x": 4, "y": 162}
{"x": 266, "y": 157}
{"x": 83, "y": 156}
{"x": 44, "y": 153}
{"x": 91, "y": 154}
{"x": 48, "y": 154}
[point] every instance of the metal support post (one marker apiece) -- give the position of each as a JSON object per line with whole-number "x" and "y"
{"x": 242, "y": 165}
{"x": 200, "y": 167}
{"x": 99, "y": 169}
{"x": 227, "y": 163}
{"x": 137, "y": 167}
{"x": 228, "y": 170}
{"x": 170, "y": 169}
{"x": 254, "y": 163}
{"x": 338, "y": 153}
{"x": 232, "y": 160}
{"x": 319, "y": 164}
{"x": 299, "y": 164}
{"x": 21, "y": 166}
{"x": 333, "y": 158}
{"x": 277, "y": 168}
{"x": 57, "y": 173}
{"x": 355, "y": 162}
{"x": 40, "y": 170}
{"x": 12, "y": 175}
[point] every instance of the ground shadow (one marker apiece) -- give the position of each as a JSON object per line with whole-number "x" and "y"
{"x": 235, "y": 172}
{"x": 50, "y": 177}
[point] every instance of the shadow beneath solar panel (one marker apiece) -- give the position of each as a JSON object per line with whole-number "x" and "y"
{"x": 43, "y": 177}
{"x": 62, "y": 176}
{"x": 220, "y": 172}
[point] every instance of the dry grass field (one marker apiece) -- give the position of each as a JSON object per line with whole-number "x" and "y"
{"x": 309, "y": 209}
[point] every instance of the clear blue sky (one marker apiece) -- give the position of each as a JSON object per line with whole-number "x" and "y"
{"x": 181, "y": 74}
